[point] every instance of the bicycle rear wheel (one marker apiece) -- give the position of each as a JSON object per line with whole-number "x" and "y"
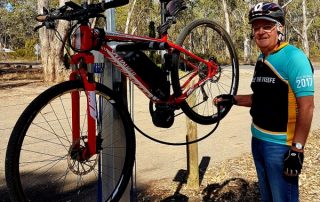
{"x": 208, "y": 40}
{"x": 39, "y": 162}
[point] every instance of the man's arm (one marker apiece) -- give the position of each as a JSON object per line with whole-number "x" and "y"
{"x": 243, "y": 100}
{"x": 304, "y": 119}
{"x": 240, "y": 100}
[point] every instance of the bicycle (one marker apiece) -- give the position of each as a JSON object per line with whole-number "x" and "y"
{"x": 56, "y": 145}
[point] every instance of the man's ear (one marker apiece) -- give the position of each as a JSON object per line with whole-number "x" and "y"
{"x": 280, "y": 30}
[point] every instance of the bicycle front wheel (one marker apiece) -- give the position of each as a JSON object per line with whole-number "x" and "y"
{"x": 210, "y": 41}
{"x": 40, "y": 159}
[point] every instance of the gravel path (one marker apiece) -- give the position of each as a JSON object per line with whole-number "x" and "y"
{"x": 155, "y": 161}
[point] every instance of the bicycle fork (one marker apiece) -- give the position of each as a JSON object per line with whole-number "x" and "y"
{"x": 79, "y": 152}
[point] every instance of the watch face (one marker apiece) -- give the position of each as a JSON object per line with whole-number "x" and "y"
{"x": 298, "y": 145}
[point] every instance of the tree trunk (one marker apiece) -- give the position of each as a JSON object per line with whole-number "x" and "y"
{"x": 247, "y": 42}
{"x": 305, "y": 41}
{"x": 133, "y": 3}
{"x": 52, "y": 48}
{"x": 226, "y": 16}
{"x": 246, "y": 50}
{"x": 227, "y": 21}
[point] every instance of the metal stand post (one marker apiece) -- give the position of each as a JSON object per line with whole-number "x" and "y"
{"x": 114, "y": 80}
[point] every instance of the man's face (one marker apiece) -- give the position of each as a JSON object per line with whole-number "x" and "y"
{"x": 265, "y": 35}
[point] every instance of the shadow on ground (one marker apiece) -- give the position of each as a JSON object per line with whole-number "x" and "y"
{"x": 4, "y": 196}
{"x": 47, "y": 190}
{"x": 230, "y": 190}
{"x": 233, "y": 189}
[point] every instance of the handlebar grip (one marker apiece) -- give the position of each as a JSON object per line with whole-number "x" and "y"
{"x": 41, "y": 18}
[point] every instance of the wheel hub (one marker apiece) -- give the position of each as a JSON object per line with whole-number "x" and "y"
{"x": 77, "y": 162}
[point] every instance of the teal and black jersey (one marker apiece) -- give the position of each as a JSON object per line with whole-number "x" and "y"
{"x": 278, "y": 80}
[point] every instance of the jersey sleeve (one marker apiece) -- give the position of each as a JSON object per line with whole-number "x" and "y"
{"x": 300, "y": 74}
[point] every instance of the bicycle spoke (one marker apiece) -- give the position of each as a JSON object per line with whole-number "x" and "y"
{"x": 49, "y": 161}
{"x": 209, "y": 41}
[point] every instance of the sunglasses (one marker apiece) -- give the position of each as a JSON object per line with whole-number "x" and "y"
{"x": 266, "y": 28}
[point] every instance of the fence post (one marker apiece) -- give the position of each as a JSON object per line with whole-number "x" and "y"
{"x": 192, "y": 151}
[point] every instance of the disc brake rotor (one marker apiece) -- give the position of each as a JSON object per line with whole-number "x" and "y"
{"x": 76, "y": 163}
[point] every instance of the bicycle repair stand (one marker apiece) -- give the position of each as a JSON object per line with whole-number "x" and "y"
{"x": 113, "y": 79}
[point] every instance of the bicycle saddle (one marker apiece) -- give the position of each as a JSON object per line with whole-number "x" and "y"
{"x": 175, "y": 6}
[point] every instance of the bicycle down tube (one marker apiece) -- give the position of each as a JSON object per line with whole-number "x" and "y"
{"x": 111, "y": 54}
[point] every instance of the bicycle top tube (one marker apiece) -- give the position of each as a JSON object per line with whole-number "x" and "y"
{"x": 136, "y": 43}
{"x": 92, "y": 39}
{"x": 114, "y": 36}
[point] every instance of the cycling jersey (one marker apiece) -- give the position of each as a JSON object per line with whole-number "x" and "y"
{"x": 278, "y": 80}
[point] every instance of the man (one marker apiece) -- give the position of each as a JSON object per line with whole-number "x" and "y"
{"x": 281, "y": 105}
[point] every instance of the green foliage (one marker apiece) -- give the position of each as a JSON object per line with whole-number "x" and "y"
{"x": 121, "y": 17}
{"x": 27, "y": 51}
{"x": 17, "y": 27}
{"x": 314, "y": 52}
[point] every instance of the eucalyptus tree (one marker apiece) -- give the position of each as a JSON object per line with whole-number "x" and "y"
{"x": 52, "y": 47}
{"x": 130, "y": 12}
{"x": 301, "y": 15}
{"x": 241, "y": 30}
{"x": 136, "y": 16}
{"x": 5, "y": 26}
{"x": 15, "y": 26}
{"x": 314, "y": 33}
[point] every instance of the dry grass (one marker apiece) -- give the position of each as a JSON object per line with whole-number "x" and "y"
{"x": 235, "y": 180}
{"x": 18, "y": 75}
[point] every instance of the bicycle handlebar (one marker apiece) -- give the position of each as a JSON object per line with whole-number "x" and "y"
{"x": 71, "y": 11}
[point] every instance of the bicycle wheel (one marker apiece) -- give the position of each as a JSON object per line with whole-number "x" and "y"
{"x": 39, "y": 163}
{"x": 209, "y": 41}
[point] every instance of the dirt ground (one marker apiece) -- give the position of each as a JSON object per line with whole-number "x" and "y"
{"x": 156, "y": 163}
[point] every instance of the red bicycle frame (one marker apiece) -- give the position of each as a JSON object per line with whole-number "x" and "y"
{"x": 85, "y": 40}
{"x": 116, "y": 60}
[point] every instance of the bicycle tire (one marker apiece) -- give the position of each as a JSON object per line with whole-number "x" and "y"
{"x": 207, "y": 39}
{"x": 37, "y": 166}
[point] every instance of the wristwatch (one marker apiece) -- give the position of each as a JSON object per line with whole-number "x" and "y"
{"x": 297, "y": 145}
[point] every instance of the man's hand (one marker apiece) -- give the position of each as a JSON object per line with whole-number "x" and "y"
{"x": 224, "y": 100}
{"x": 292, "y": 163}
